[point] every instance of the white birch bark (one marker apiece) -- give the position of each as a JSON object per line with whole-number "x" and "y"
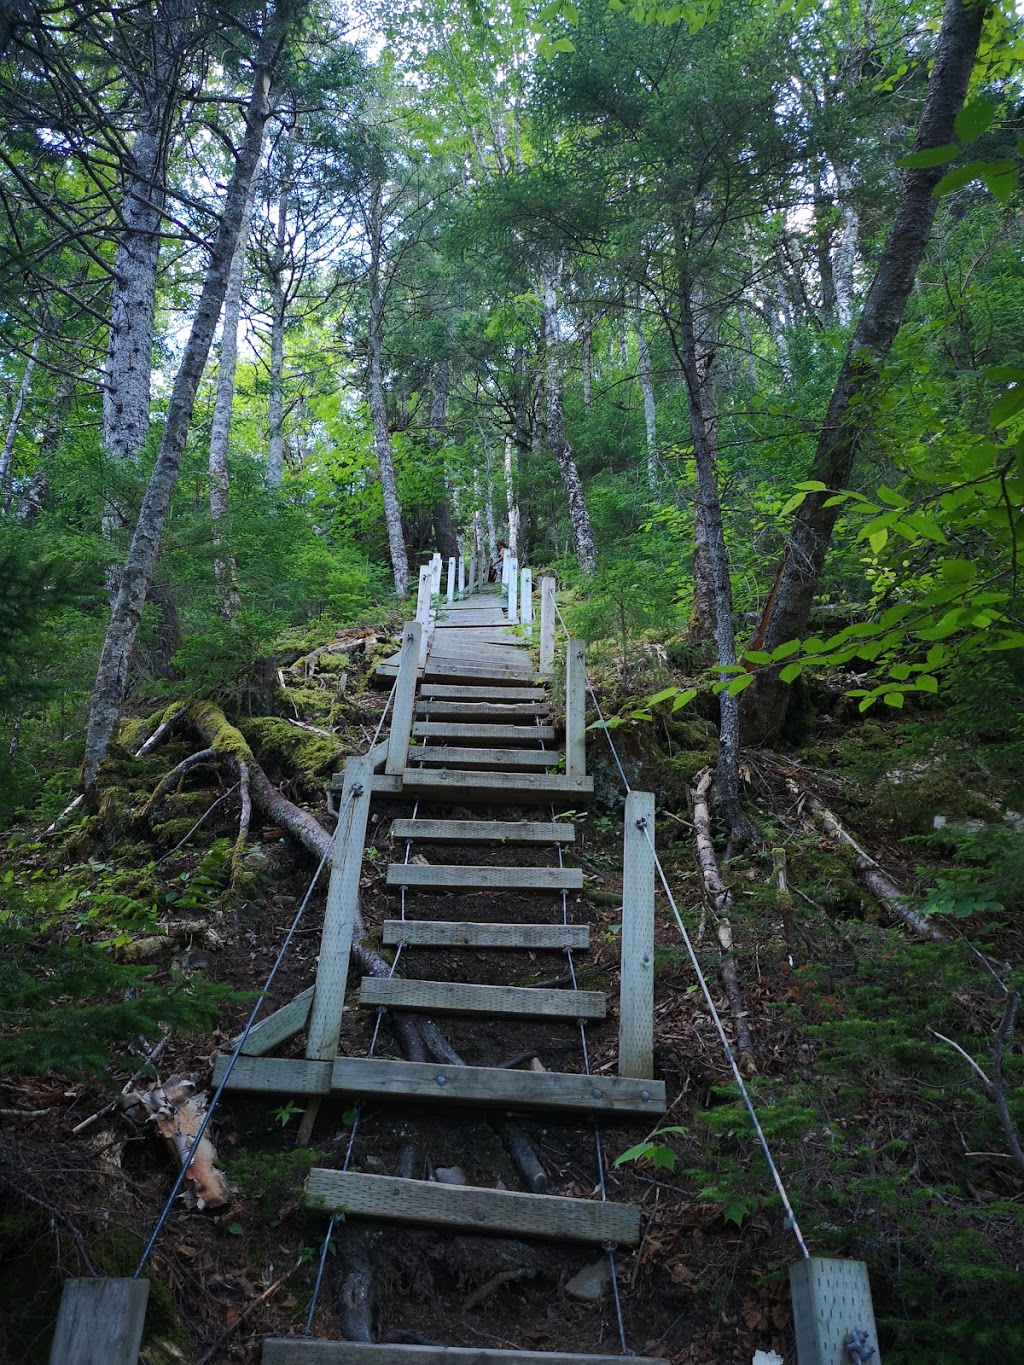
{"x": 14, "y": 424}
{"x": 378, "y": 405}
{"x": 845, "y": 264}
{"x": 510, "y": 498}
{"x": 579, "y": 517}
{"x": 492, "y": 526}
{"x": 278, "y": 305}
{"x": 650, "y": 412}
{"x": 112, "y": 674}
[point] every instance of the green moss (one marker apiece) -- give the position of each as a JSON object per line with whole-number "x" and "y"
{"x": 280, "y": 745}
{"x": 911, "y": 797}
{"x": 829, "y": 880}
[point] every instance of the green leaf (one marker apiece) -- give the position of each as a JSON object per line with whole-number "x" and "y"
{"x": 927, "y": 683}
{"x": 1001, "y": 179}
{"x": 236, "y": 1229}
{"x": 929, "y": 157}
{"x": 783, "y": 651}
{"x": 812, "y": 486}
{"x": 958, "y": 178}
{"x": 663, "y": 695}
{"x": 684, "y": 699}
{"x": 893, "y": 699}
{"x": 1008, "y": 406}
{"x": 974, "y": 119}
{"x": 877, "y": 540}
{"x": 791, "y": 672}
{"x": 738, "y": 684}
{"x": 957, "y": 570}
{"x": 563, "y": 45}
{"x": 757, "y": 656}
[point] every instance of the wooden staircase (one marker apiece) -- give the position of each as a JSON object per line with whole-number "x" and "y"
{"x": 482, "y": 737}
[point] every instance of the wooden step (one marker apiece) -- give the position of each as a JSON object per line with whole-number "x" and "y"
{"x": 484, "y": 934}
{"x": 445, "y": 692}
{"x": 453, "y": 756}
{"x": 507, "y": 1213}
{"x": 307, "y": 1351}
{"x": 513, "y": 789}
{"x": 436, "y": 668}
{"x": 481, "y": 710}
{"x": 498, "y": 1087}
{"x": 445, "y": 876}
{"x": 484, "y": 831}
{"x": 511, "y": 734}
{"x": 456, "y": 997}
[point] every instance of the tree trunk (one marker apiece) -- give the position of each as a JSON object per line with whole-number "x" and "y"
{"x": 220, "y": 426}
{"x": 510, "y": 499}
{"x": 378, "y": 405}
{"x": 278, "y": 307}
{"x": 446, "y": 541}
{"x": 111, "y": 678}
{"x": 697, "y": 362}
{"x": 789, "y": 602}
{"x": 587, "y": 362}
{"x": 845, "y": 263}
{"x": 823, "y": 249}
{"x": 647, "y": 388}
{"x": 14, "y": 425}
{"x": 492, "y": 528}
{"x": 579, "y": 517}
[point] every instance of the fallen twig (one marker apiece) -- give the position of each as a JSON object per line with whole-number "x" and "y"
{"x": 247, "y": 1313}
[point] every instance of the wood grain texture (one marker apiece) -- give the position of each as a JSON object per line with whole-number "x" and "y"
{"x": 636, "y": 991}
{"x": 575, "y": 709}
{"x": 100, "y": 1322}
{"x": 482, "y": 934}
{"x": 470, "y": 756}
{"x": 278, "y": 1027}
{"x": 276, "y": 1075}
{"x": 473, "y": 708}
{"x": 477, "y": 730}
{"x": 457, "y": 997}
{"x": 464, "y": 875}
{"x": 504, "y": 1212}
{"x": 448, "y": 692}
{"x": 405, "y": 699}
{"x": 547, "y": 1090}
{"x": 485, "y": 831}
{"x": 497, "y": 788}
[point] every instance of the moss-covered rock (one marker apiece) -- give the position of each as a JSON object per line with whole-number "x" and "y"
{"x": 911, "y": 795}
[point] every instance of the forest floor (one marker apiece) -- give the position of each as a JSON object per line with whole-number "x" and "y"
{"x": 890, "y": 1147}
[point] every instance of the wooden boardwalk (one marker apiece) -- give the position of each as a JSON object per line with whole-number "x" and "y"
{"x": 473, "y": 725}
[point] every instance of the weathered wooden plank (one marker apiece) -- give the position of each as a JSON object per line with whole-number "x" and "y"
{"x": 276, "y": 1028}
{"x": 831, "y": 1299}
{"x": 100, "y": 1322}
{"x": 514, "y": 734}
{"x": 515, "y": 789}
{"x": 636, "y": 946}
{"x": 405, "y": 698}
{"x": 485, "y": 831}
{"x": 474, "y": 709}
{"x": 443, "y": 875}
{"x": 452, "y": 755}
{"x": 378, "y": 755}
{"x": 479, "y": 673}
{"x": 503, "y": 1212}
{"x": 275, "y": 1075}
{"x": 340, "y": 911}
{"x": 575, "y": 709}
{"x": 551, "y": 1090}
{"x": 308, "y": 1351}
{"x": 386, "y": 784}
{"x": 547, "y": 626}
{"x": 446, "y": 692}
{"x": 456, "y": 997}
{"x": 483, "y": 934}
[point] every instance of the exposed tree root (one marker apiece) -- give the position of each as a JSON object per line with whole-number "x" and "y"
{"x": 720, "y": 899}
{"x": 177, "y": 774}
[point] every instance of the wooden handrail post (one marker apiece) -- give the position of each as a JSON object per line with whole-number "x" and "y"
{"x": 526, "y": 599}
{"x": 435, "y": 574}
{"x": 340, "y": 913}
{"x": 575, "y": 709}
{"x": 831, "y": 1301}
{"x": 405, "y": 699}
{"x": 101, "y": 1322}
{"x": 462, "y": 575}
{"x": 547, "y": 625}
{"x": 636, "y": 988}
{"x": 423, "y": 612}
{"x": 506, "y": 560}
{"x": 450, "y": 595}
{"x": 471, "y": 585}
{"x": 513, "y": 592}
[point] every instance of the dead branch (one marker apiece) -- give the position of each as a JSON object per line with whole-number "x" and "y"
{"x": 994, "y": 1086}
{"x": 881, "y": 886}
{"x": 213, "y": 1351}
{"x": 495, "y": 1282}
{"x": 127, "y": 1095}
{"x": 238, "y": 852}
{"x": 720, "y": 899}
{"x": 171, "y": 779}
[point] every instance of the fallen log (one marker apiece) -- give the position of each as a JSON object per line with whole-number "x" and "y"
{"x": 719, "y": 898}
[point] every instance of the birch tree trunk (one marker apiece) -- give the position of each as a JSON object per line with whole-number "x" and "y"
{"x": 446, "y": 542}
{"x": 788, "y": 606}
{"x": 112, "y": 674}
{"x": 378, "y": 405}
{"x": 510, "y": 499}
{"x": 220, "y": 426}
{"x": 14, "y": 424}
{"x": 492, "y": 526}
{"x": 587, "y": 362}
{"x": 650, "y": 412}
{"x": 579, "y": 517}
{"x": 845, "y": 265}
{"x": 278, "y": 308}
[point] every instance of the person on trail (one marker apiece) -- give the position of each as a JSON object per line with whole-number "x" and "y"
{"x": 494, "y": 569}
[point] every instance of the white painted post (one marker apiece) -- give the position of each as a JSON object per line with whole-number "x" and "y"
{"x": 101, "y": 1322}
{"x": 513, "y": 592}
{"x": 831, "y": 1302}
{"x": 636, "y": 988}
{"x": 547, "y": 625}
{"x": 423, "y": 612}
{"x": 462, "y": 575}
{"x": 450, "y": 595}
{"x": 526, "y": 600}
{"x": 435, "y": 573}
{"x": 339, "y": 915}
{"x": 575, "y": 709}
{"x": 506, "y": 561}
{"x": 405, "y": 700}
{"x": 472, "y": 574}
